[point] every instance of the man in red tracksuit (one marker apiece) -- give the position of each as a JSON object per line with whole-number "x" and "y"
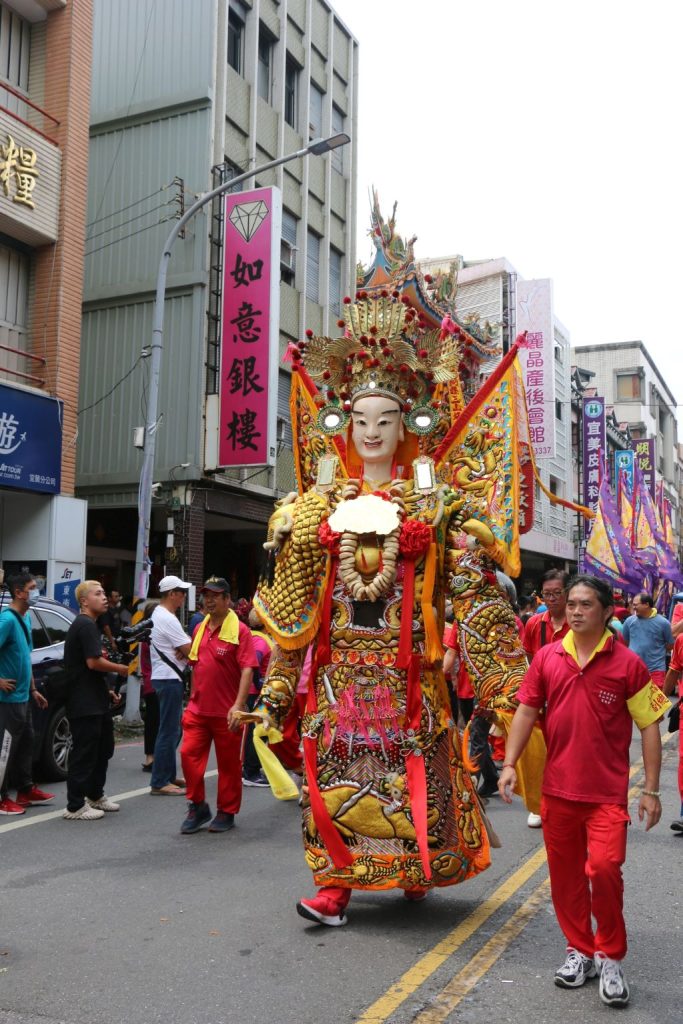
{"x": 673, "y": 676}
{"x": 592, "y": 690}
{"x": 224, "y": 660}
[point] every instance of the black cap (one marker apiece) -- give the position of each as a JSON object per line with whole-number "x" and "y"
{"x": 217, "y": 585}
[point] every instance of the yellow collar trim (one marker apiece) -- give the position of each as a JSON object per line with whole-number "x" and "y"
{"x": 569, "y": 645}
{"x": 229, "y": 633}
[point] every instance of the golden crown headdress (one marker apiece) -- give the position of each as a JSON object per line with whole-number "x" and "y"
{"x": 387, "y": 349}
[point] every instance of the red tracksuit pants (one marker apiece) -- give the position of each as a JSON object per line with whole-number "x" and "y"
{"x": 586, "y": 846}
{"x": 199, "y": 731}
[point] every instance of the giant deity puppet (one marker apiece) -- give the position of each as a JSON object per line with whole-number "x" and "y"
{"x": 408, "y": 496}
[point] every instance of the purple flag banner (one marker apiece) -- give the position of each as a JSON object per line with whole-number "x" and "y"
{"x": 608, "y": 550}
{"x": 652, "y": 550}
{"x": 593, "y": 429}
{"x": 644, "y": 449}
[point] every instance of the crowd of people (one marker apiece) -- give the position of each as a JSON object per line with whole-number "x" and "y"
{"x": 596, "y": 666}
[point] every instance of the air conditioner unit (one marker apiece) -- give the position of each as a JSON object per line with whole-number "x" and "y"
{"x": 286, "y": 255}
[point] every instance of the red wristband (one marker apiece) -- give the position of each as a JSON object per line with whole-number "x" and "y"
{"x": 508, "y": 765}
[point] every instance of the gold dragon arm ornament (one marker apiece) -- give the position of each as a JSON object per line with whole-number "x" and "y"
{"x": 279, "y": 688}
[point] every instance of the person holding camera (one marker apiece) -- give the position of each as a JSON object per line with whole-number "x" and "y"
{"x": 169, "y": 648}
{"x": 88, "y": 701}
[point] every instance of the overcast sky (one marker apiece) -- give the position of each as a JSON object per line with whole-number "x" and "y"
{"x": 545, "y": 132}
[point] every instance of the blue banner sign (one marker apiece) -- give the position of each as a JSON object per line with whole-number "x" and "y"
{"x": 623, "y": 463}
{"x": 65, "y": 594}
{"x": 30, "y": 441}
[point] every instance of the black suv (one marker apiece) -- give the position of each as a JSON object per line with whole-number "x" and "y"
{"x": 51, "y": 622}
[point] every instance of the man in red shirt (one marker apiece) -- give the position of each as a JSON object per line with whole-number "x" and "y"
{"x": 673, "y": 676}
{"x": 592, "y": 689}
{"x": 224, "y": 660}
{"x": 549, "y": 625}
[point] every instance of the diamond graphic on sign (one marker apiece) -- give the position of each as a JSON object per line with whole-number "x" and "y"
{"x": 247, "y": 218}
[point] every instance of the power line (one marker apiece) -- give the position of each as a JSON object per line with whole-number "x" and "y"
{"x": 131, "y": 235}
{"x": 131, "y": 220}
{"x": 111, "y": 391}
{"x": 129, "y": 206}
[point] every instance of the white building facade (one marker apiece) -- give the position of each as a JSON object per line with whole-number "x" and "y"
{"x": 625, "y": 374}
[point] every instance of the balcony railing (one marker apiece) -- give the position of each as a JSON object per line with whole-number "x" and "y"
{"x": 11, "y": 358}
{"x": 26, "y": 112}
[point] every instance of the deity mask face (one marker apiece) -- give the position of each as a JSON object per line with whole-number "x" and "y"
{"x": 377, "y": 428}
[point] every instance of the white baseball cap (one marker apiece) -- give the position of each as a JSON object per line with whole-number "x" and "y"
{"x": 172, "y": 583}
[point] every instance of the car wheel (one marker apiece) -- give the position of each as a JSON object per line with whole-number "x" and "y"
{"x": 57, "y": 746}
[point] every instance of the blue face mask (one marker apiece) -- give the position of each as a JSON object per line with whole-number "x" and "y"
{"x": 33, "y": 597}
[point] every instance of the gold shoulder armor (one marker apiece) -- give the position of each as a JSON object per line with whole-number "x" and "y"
{"x": 291, "y": 604}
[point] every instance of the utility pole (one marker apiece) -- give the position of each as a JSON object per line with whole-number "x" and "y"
{"x": 142, "y": 563}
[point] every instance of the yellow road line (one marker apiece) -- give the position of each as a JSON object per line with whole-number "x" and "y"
{"x": 26, "y": 820}
{"x": 465, "y": 980}
{"x": 416, "y": 975}
{"x": 431, "y": 961}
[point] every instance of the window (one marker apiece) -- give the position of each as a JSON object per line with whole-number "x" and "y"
{"x": 555, "y": 486}
{"x": 629, "y": 387}
{"x": 558, "y": 409}
{"x": 291, "y": 93}
{"x": 265, "y": 63}
{"x": 56, "y": 625}
{"x": 335, "y": 281}
{"x": 15, "y": 44}
{"x": 38, "y": 635}
{"x": 337, "y": 128}
{"x": 315, "y": 113}
{"x": 235, "y": 41}
{"x": 15, "y": 48}
{"x": 284, "y": 418}
{"x": 288, "y": 247}
{"x": 313, "y": 268}
{"x": 231, "y": 170}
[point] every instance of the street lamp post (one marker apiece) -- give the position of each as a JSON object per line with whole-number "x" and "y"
{"x": 317, "y": 147}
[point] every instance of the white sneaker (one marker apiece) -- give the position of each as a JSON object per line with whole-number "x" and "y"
{"x": 534, "y": 820}
{"x": 84, "y": 813}
{"x": 576, "y": 969}
{"x": 614, "y": 990}
{"x": 104, "y": 804}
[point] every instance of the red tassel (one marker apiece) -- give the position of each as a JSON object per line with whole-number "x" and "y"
{"x": 415, "y": 764}
{"x": 322, "y": 655}
{"x": 326, "y": 827}
{"x": 405, "y": 643}
{"x": 323, "y": 822}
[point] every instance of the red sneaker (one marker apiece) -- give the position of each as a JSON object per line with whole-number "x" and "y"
{"x": 33, "y": 797}
{"x": 327, "y": 907}
{"x": 8, "y": 806}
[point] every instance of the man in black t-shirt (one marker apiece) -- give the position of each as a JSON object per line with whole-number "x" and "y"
{"x": 87, "y": 707}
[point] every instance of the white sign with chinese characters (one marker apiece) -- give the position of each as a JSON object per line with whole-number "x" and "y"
{"x": 535, "y": 316}
{"x": 30, "y": 183}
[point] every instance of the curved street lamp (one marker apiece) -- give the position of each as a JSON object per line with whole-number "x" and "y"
{"x": 142, "y": 564}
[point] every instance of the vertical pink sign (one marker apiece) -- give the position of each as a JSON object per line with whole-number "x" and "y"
{"x": 535, "y": 316}
{"x": 250, "y": 325}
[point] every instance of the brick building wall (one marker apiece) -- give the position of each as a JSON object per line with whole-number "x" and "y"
{"x": 56, "y": 312}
